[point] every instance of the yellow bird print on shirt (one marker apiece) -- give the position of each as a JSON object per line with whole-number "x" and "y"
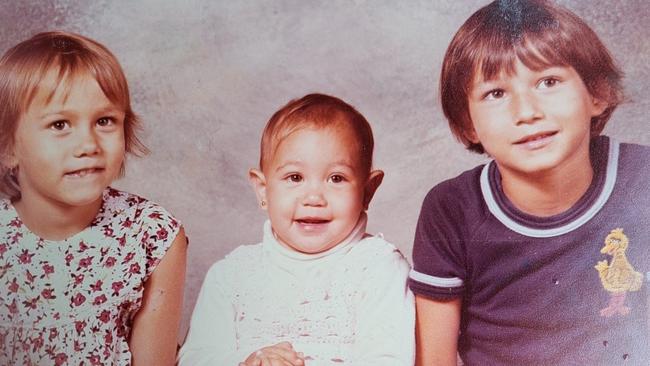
{"x": 618, "y": 276}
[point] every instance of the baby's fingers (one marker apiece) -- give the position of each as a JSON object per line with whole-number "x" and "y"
{"x": 287, "y": 353}
{"x": 284, "y": 345}
{"x": 253, "y": 362}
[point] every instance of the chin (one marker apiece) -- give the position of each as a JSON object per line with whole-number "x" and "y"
{"x": 314, "y": 249}
{"x": 85, "y": 198}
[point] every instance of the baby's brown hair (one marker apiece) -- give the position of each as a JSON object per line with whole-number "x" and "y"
{"x": 318, "y": 111}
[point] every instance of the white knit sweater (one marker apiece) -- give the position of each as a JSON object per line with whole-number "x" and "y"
{"x": 347, "y": 306}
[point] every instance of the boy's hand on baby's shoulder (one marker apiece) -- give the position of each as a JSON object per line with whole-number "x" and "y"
{"x": 281, "y": 354}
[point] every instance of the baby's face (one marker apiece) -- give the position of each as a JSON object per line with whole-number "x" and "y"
{"x": 315, "y": 188}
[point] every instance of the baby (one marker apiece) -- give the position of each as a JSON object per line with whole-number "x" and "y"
{"x": 317, "y": 290}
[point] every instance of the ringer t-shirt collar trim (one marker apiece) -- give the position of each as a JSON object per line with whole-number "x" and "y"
{"x": 588, "y": 214}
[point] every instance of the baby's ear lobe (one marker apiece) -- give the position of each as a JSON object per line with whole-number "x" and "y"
{"x": 374, "y": 180}
{"x": 258, "y": 182}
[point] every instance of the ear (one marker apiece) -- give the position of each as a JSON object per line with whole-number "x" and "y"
{"x": 258, "y": 181}
{"x": 599, "y": 106}
{"x": 374, "y": 180}
{"x": 471, "y": 135}
{"x": 8, "y": 161}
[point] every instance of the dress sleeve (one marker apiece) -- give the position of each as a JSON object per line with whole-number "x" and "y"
{"x": 158, "y": 231}
{"x": 211, "y": 339}
{"x": 438, "y": 250}
{"x": 385, "y": 334}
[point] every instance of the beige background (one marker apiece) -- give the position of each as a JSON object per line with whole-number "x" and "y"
{"x": 206, "y": 75}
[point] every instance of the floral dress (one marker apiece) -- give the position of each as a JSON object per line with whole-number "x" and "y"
{"x": 72, "y": 302}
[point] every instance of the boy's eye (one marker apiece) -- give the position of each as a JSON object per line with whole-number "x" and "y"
{"x": 548, "y": 83}
{"x": 294, "y": 178}
{"x": 336, "y": 178}
{"x": 494, "y": 94}
{"x": 105, "y": 121}
{"x": 59, "y": 125}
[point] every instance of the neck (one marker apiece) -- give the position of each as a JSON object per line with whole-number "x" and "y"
{"x": 54, "y": 221}
{"x": 549, "y": 192}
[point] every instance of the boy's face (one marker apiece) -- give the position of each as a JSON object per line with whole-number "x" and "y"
{"x": 533, "y": 121}
{"x": 314, "y": 188}
{"x": 70, "y": 147}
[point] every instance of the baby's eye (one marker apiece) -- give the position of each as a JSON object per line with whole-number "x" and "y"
{"x": 105, "y": 121}
{"x": 294, "y": 178}
{"x": 548, "y": 83}
{"x": 60, "y": 125}
{"x": 494, "y": 94}
{"x": 336, "y": 178}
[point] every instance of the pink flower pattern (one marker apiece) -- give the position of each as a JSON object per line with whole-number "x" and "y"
{"x": 72, "y": 302}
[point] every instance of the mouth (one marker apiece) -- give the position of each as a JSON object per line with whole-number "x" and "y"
{"x": 80, "y": 173}
{"x": 312, "y": 224}
{"x": 536, "y": 140}
{"x": 311, "y": 221}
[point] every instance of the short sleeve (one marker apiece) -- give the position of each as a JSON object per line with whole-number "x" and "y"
{"x": 439, "y": 269}
{"x": 158, "y": 231}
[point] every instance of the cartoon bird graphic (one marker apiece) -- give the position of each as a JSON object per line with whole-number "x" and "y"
{"x": 618, "y": 277}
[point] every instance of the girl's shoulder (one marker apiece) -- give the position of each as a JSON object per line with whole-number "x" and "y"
{"x": 120, "y": 205}
{"x": 138, "y": 223}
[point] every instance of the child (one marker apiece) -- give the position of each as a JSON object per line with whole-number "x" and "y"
{"x": 88, "y": 274}
{"x": 317, "y": 290}
{"x": 538, "y": 257}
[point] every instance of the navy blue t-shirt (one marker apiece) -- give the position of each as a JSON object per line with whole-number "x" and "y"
{"x": 570, "y": 289}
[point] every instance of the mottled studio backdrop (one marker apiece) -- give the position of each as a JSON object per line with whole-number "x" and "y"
{"x": 206, "y": 75}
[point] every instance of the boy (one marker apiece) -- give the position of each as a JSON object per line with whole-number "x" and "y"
{"x": 538, "y": 257}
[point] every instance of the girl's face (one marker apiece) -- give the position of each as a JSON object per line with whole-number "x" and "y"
{"x": 69, "y": 145}
{"x": 314, "y": 188}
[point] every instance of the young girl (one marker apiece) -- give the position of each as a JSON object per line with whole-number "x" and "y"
{"x": 317, "y": 290}
{"x": 88, "y": 275}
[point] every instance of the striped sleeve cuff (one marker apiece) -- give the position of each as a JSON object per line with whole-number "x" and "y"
{"x": 435, "y": 287}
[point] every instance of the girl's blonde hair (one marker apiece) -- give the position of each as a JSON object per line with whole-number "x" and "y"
{"x": 23, "y": 68}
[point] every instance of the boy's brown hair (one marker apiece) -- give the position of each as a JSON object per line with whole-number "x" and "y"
{"x": 69, "y": 55}
{"x": 537, "y": 33}
{"x": 317, "y": 111}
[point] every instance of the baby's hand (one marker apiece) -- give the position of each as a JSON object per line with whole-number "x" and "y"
{"x": 281, "y": 354}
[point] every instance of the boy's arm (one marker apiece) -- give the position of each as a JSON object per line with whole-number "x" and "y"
{"x": 155, "y": 328}
{"x": 437, "y": 326}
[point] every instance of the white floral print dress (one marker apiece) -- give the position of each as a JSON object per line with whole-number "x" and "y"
{"x": 72, "y": 302}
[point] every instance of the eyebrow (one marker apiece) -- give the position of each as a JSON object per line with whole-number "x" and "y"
{"x": 108, "y": 109}
{"x": 300, "y": 163}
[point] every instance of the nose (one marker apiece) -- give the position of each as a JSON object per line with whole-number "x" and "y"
{"x": 314, "y": 196}
{"x": 87, "y": 142}
{"x": 526, "y": 108}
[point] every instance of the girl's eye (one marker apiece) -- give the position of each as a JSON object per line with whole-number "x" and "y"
{"x": 548, "y": 83}
{"x": 337, "y": 178}
{"x": 59, "y": 125}
{"x": 105, "y": 121}
{"x": 295, "y": 178}
{"x": 494, "y": 94}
